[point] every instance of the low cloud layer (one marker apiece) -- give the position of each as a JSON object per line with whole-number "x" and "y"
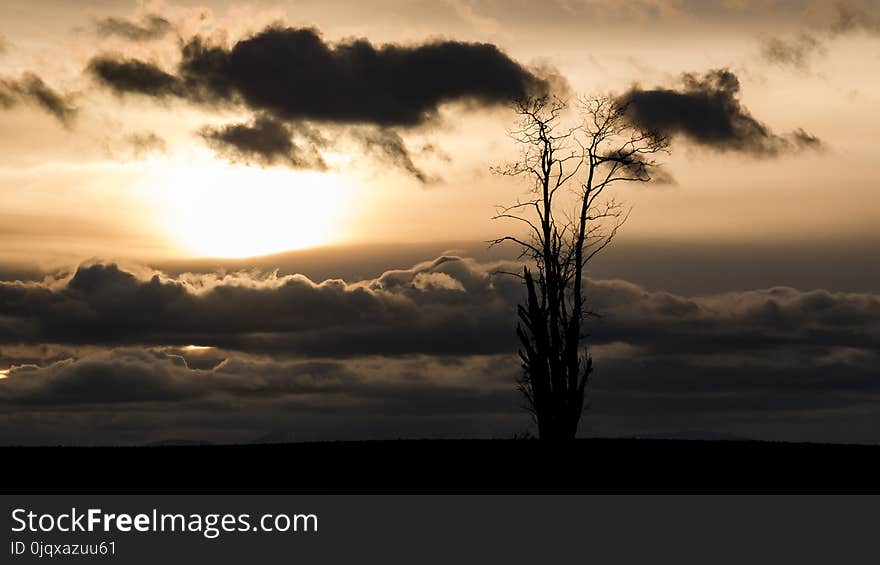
{"x": 447, "y": 306}
{"x": 425, "y": 351}
{"x": 389, "y": 315}
{"x": 30, "y": 89}
{"x": 706, "y": 110}
{"x": 92, "y": 395}
{"x": 135, "y": 395}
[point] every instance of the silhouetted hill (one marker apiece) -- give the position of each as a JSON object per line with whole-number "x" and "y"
{"x": 587, "y": 465}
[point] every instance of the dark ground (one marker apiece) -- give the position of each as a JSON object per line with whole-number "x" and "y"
{"x": 588, "y": 465}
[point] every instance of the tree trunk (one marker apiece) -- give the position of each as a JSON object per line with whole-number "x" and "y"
{"x": 552, "y": 378}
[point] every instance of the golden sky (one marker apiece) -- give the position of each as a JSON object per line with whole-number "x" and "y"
{"x": 130, "y": 176}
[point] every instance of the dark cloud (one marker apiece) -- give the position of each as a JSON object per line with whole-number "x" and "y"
{"x": 151, "y": 26}
{"x": 826, "y": 395}
{"x": 130, "y": 75}
{"x": 706, "y": 110}
{"x": 140, "y": 395}
{"x": 126, "y": 375}
{"x": 103, "y": 303}
{"x": 267, "y": 141}
{"x": 389, "y": 147}
{"x": 31, "y": 89}
{"x": 291, "y": 77}
{"x": 420, "y": 351}
{"x": 295, "y": 75}
{"x": 133, "y": 376}
{"x": 447, "y": 306}
{"x": 131, "y": 395}
{"x": 735, "y": 323}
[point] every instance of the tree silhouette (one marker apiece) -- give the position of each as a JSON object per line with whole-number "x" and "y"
{"x": 568, "y": 218}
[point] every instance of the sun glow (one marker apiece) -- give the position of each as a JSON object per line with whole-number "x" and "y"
{"x": 196, "y": 347}
{"x": 217, "y": 209}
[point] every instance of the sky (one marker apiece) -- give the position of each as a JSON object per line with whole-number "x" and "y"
{"x": 267, "y": 221}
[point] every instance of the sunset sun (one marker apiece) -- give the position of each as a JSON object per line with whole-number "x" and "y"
{"x": 216, "y": 209}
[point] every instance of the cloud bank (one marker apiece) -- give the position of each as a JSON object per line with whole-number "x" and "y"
{"x": 449, "y": 306}
{"x": 424, "y": 351}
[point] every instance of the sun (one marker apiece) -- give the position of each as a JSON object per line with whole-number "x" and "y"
{"x": 217, "y": 209}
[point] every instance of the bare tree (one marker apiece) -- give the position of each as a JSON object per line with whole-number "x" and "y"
{"x": 567, "y": 219}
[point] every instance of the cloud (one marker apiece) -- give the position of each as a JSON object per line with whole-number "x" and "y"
{"x": 853, "y": 16}
{"x": 389, "y": 147}
{"x": 267, "y": 141}
{"x": 141, "y": 395}
{"x": 295, "y": 75}
{"x": 151, "y": 26}
{"x": 291, "y": 78}
{"x": 423, "y": 351}
{"x": 449, "y": 306}
{"x": 429, "y": 281}
{"x": 797, "y": 53}
{"x": 137, "y": 375}
{"x": 103, "y": 304}
{"x": 31, "y": 89}
{"x": 130, "y": 75}
{"x": 132, "y": 376}
{"x": 144, "y": 143}
{"x": 706, "y": 110}
{"x": 755, "y": 321}
{"x": 828, "y": 22}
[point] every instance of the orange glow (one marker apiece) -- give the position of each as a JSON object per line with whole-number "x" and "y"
{"x": 216, "y": 209}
